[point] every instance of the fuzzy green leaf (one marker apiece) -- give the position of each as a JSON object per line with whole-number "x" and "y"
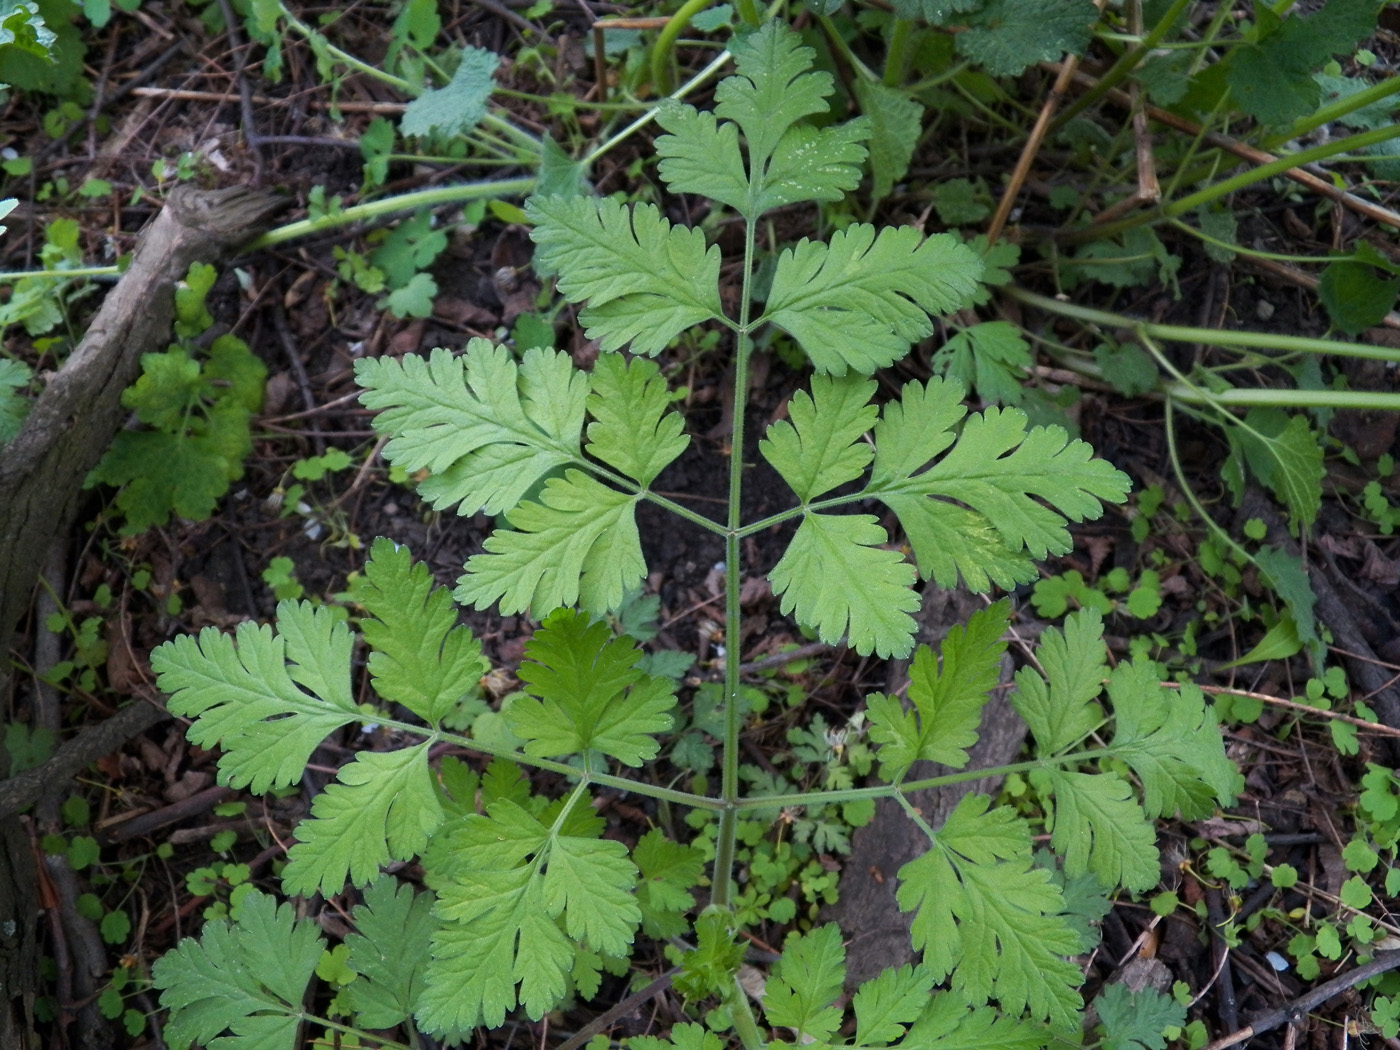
{"x": 14, "y": 407}
{"x": 517, "y": 901}
{"x": 862, "y": 300}
{"x": 586, "y": 692}
{"x": 645, "y": 280}
{"x": 248, "y": 979}
{"x": 1172, "y": 741}
{"x": 836, "y": 578}
{"x": 459, "y": 107}
{"x": 991, "y": 919}
{"x": 947, "y": 704}
{"x": 1060, "y": 708}
{"x": 382, "y": 807}
{"x": 241, "y": 690}
{"x": 420, "y": 657}
{"x": 805, "y": 983}
{"x": 818, "y": 447}
{"x": 1137, "y": 1020}
{"x": 486, "y": 429}
{"x": 1098, "y": 827}
{"x": 886, "y": 1004}
{"x": 1006, "y": 36}
{"x": 577, "y": 546}
{"x": 389, "y": 950}
{"x": 896, "y": 121}
{"x": 633, "y": 428}
{"x": 1355, "y": 296}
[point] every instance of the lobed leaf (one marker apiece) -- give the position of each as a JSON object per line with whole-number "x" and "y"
{"x": 886, "y": 1004}
{"x": 1099, "y": 828}
{"x": 633, "y": 428}
{"x": 486, "y": 429}
{"x": 948, "y": 1023}
{"x": 1007, "y": 36}
{"x": 458, "y": 107}
{"x": 818, "y": 447}
{"x": 645, "y": 280}
{"x": 669, "y": 870}
{"x": 804, "y": 984}
{"x": 268, "y": 700}
{"x": 1060, "y": 708}
{"x": 861, "y": 301}
{"x": 389, "y": 951}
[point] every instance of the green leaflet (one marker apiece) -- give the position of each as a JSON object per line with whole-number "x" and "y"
{"x": 804, "y": 984}
{"x": 389, "y": 951}
{"x": 459, "y": 107}
{"x": 818, "y": 446}
{"x": 633, "y": 429}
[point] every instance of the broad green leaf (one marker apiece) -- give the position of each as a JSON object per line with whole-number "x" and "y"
{"x": 267, "y": 700}
{"x": 389, "y": 950}
{"x": 486, "y": 429}
{"x": 896, "y": 121}
{"x": 247, "y": 979}
{"x": 459, "y": 107}
{"x": 577, "y": 546}
{"x": 381, "y": 807}
{"x": 1355, "y": 296}
{"x": 645, "y": 280}
{"x": 1279, "y": 643}
{"x": 669, "y": 870}
{"x": 997, "y": 470}
{"x": 586, "y": 692}
{"x": 837, "y": 578}
{"x": 947, "y": 1023}
{"x": 420, "y": 657}
{"x": 1006, "y": 36}
{"x": 947, "y": 702}
{"x": 14, "y": 406}
{"x": 805, "y": 983}
{"x": 1137, "y": 1020}
{"x": 818, "y": 446}
{"x": 1099, "y": 828}
{"x": 1282, "y": 452}
{"x": 1060, "y": 708}
{"x": 887, "y": 1004}
{"x": 984, "y": 914}
{"x": 1171, "y": 740}
{"x": 509, "y": 887}
{"x": 633, "y": 428}
{"x": 862, "y": 300}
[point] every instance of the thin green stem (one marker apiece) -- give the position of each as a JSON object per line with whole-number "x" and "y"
{"x": 665, "y": 45}
{"x": 838, "y": 41}
{"x": 1342, "y": 107}
{"x": 748, "y": 11}
{"x": 1169, "y": 422}
{"x": 81, "y": 271}
{"x": 897, "y": 56}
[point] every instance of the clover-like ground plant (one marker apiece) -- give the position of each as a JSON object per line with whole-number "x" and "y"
{"x": 501, "y": 900}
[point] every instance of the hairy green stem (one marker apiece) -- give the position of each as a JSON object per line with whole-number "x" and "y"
{"x": 665, "y": 45}
{"x": 745, "y": 1027}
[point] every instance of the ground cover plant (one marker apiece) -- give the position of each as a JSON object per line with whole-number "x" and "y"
{"x": 717, "y": 386}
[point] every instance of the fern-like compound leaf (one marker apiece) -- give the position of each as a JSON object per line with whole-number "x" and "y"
{"x": 389, "y": 951}
{"x": 586, "y": 692}
{"x": 267, "y": 699}
{"x": 818, "y": 446}
{"x": 381, "y": 807}
{"x": 247, "y": 979}
{"x": 486, "y": 429}
{"x": 1061, "y": 708}
{"x": 947, "y": 703}
{"x": 1099, "y": 828}
{"x": 420, "y": 657}
{"x": 633, "y": 427}
{"x": 577, "y": 546}
{"x": 1023, "y": 484}
{"x": 863, "y": 300}
{"x": 984, "y": 914}
{"x": 805, "y": 984}
{"x": 518, "y": 901}
{"x": 645, "y": 280}
{"x": 837, "y": 578}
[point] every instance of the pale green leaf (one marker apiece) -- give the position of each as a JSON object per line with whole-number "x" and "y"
{"x": 1171, "y": 740}
{"x": 837, "y": 578}
{"x": 459, "y": 107}
{"x": 1099, "y": 828}
{"x": 896, "y": 121}
{"x": 1060, "y": 708}
{"x": 586, "y": 691}
{"x": 486, "y": 429}
{"x": 685, "y": 1036}
{"x": 577, "y": 546}
{"x": 645, "y": 280}
{"x": 862, "y": 300}
{"x": 633, "y": 428}
{"x": 248, "y": 979}
{"x": 818, "y": 447}
{"x": 773, "y": 87}
{"x": 267, "y": 700}
{"x": 886, "y": 1004}
{"x": 805, "y": 983}
{"x": 591, "y": 883}
{"x": 381, "y": 807}
{"x": 947, "y": 702}
{"x": 389, "y": 950}
{"x": 950, "y": 541}
{"x": 420, "y": 657}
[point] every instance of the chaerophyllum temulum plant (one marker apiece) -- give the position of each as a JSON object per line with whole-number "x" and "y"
{"x": 523, "y": 903}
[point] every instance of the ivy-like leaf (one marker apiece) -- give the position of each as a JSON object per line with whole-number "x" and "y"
{"x": 633, "y": 428}
{"x": 947, "y": 705}
{"x": 586, "y": 692}
{"x": 836, "y": 578}
{"x": 645, "y": 280}
{"x": 1060, "y": 708}
{"x": 241, "y": 690}
{"x": 420, "y": 657}
{"x": 486, "y": 429}
{"x": 577, "y": 546}
{"x": 1099, "y": 828}
{"x": 818, "y": 447}
{"x": 389, "y": 950}
{"x": 459, "y": 107}
{"x": 805, "y": 983}
{"x": 381, "y": 807}
{"x": 861, "y": 301}
{"x": 248, "y": 979}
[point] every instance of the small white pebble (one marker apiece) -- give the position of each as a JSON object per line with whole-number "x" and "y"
{"x": 1277, "y": 961}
